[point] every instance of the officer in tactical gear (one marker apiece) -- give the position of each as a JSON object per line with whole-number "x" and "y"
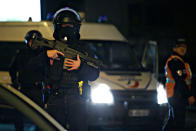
{"x": 25, "y": 76}
{"x": 178, "y": 86}
{"x": 68, "y": 78}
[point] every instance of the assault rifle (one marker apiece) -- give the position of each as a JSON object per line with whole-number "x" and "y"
{"x": 67, "y": 51}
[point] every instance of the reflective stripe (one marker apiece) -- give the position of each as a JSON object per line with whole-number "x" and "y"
{"x": 188, "y": 70}
{"x": 170, "y": 89}
{"x": 189, "y": 75}
{"x": 169, "y": 80}
{"x": 188, "y": 82}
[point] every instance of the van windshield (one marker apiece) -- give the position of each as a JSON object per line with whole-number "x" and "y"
{"x": 7, "y": 52}
{"x": 114, "y": 55}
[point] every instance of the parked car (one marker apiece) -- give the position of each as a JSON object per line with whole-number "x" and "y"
{"x": 17, "y": 109}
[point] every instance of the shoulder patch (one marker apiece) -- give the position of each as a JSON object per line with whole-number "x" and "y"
{"x": 179, "y": 72}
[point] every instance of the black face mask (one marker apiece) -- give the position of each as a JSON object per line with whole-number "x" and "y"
{"x": 68, "y": 32}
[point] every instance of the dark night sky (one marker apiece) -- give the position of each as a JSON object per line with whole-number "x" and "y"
{"x": 175, "y": 15}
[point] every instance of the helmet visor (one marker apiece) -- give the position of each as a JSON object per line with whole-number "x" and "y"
{"x": 67, "y": 18}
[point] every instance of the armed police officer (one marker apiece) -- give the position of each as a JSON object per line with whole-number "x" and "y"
{"x": 178, "y": 86}
{"x": 28, "y": 69}
{"x": 67, "y": 77}
{"x": 25, "y": 76}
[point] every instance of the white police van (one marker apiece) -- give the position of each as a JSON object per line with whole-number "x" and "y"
{"x": 126, "y": 94}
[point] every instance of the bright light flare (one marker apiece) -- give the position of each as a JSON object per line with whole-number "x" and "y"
{"x": 161, "y": 94}
{"x": 101, "y": 94}
{"x": 20, "y": 10}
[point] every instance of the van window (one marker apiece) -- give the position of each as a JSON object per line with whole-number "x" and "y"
{"x": 7, "y": 52}
{"x": 149, "y": 60}
{"x": 115, "y": 55}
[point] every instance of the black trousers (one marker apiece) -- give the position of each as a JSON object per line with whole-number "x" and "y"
{"x": 176, "y": 116}
{"x": 69, "y": 109}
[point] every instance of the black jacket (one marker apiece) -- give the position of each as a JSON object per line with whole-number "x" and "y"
{"x": 28, "y": 66}
{"x": 61, "y": 77}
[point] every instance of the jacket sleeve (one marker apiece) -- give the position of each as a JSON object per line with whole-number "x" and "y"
{"x": 38, "y": 61}
{"x": 87, "y": 72}
{"x": 26, "y": 60}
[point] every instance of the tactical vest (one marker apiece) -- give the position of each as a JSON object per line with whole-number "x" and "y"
{"x": 170, "y": 82}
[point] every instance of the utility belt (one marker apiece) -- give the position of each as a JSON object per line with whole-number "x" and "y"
{"x": 68, "y": 88}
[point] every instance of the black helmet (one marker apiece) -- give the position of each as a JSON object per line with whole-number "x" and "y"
{"x": 66, "y": 15}
{"x": 31, "y": 35}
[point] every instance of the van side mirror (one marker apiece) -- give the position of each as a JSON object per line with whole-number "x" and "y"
{"x": 150, "y": 57}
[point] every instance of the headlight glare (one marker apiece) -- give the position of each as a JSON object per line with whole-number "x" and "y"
{"x": 161, "y": 94}
{"x": 101, "y": 93}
